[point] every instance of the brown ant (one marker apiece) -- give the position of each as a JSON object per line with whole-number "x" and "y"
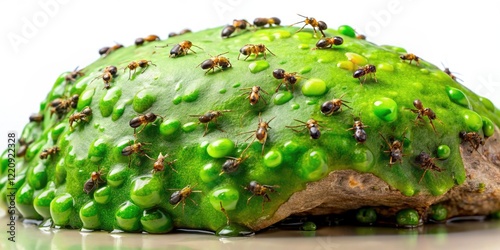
{"x": 254, "y": 94}
{"x": 334, "y": 105}
{"x": 410, "y": 57}
{"x": 159, "y": 164}
{"x": 61, "y": 106}
{"x": 260, "y": 190}
{"x": 49, "y": 151}
{"x": 421, "y": 112}
{"x": 210, "y": 116}
{"x": 36, "y": 118}
{"x": 475, "y": 140}
{"x": 232, "y": 164}
{"x": 23, "y": 147}
{"x": 250, "y": 49}
{"x": 237, "y": 25}
{"x": 314, "y": 23}
{"x": 135, "y": 148}
{"x": 143, "y": 120}
{"x": 182, "y": 32}
{"x": 107, "y": 75}
{"x": 365, "y": 71}
{"x": 135, "y": 64}
{"x": 328, "y": 42}
{"x": 262, "y": 21}
{"x": 427, "y": 163}
{"x": 395, "y": 149}
{"x": 260, "y": 134}
{"x": 71, "y": 77}
{"x": 150, "y": 38}
{"x": 181, "y": 49}
{"x": 448, "y": 72}
{"x": 311, "y": 125}
{"x": 94, "y": 181}
{"x": 79, "y": 116}
{"x": 288, "y": 78}
{"x": 180, "y": 196}
{"x": 215, "y": 61}
{"x": 359, "y": 131}
{"x": 107, "y": 50}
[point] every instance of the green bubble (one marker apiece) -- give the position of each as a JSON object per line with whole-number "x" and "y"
{"x": 170, "y": 127}
{"x": 443, "y": 152}
{"x": 85, "y": 99}
{"x": 118, "y": 111}
{"x": 61, "y": 172}
{"x": 347, "y": 31}
{"x": 191, "y": 94}
{"x": 237, "y": 85}
{"x": 305, "y": 69}
{"x": 145, "y": 192}
{"x": 488, "y": 126}
{"x": 61, "y": 208}
{"x": 143, "y": 100}
{"x": 37, "y": 177}
{"x": 189, "y": 127}
{"x": 98, "y": 150}
{"x": 303, "y": 46}
{"x": 177, "y": 99}
{"x": 347, "y": 65}
{"x": 314, "y": 87}
{"x": 439, "y": 212}
{"x": 487, "y": 104}
{"x": 386, "y": 109}
{"x": 473, "y": 120}
{"x": 58, "y": 130}
{"x": 128, "y": 217}
{"x": 273, "y": 159}
{"x": 313, "y": 166}
{"x": 109, "y": 100}
{"x": 102, "y": 195}
{"x": 220, "y": 148}
{"x": 308, "y": 226}
{"x": 155, "y": 222}
{"x": 117, "y": 175}
{"x": 362, "y": 159}
{"x": 228, "y": 195}
{"x": 366, "y": 215}
{"x": 24, "y": 202}
{"x": 356, "y": 58}
{"x": 295, "y": 106}
{"x": 209, "y": 172}
{"x": 407, "y": 217}
{"x": 89, "y": 216}
{"x": 385, "y": 67}
{"x": 233, "y": 230}
{"x": 222, "y": 91}
{"x": 282, "y": 98}
{"x": 258, "y": 66}
{"x": 457, "y": 96}
{"x": 282, "y": 34}
{"x": 42, "y": 202}
{"x": 290, "y": 147}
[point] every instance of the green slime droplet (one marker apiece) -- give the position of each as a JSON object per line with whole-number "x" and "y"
{"x": 347, "y": 31}
{"x": 282, "y": 98}
{"x": 220, "y": 148}
{"x": 156, "y": 221}
{"x": 314, "y": 87}
{"x": 209, "y": 172}
{"x": 170, "y": 127}
{"x": 89, "y": 216}
{"x": 407, "y": 217}
{"x": 61, "y": 208}
{"x": 258, "y": 66}
{"x": 488, "y": 126}
{"x": 145, "y": 192}
{"x": 128, "y": 217}
{"x": 143, "y": 100}
{"x": 443, "y": 152}
{"x": 473, "y": 121}
{"x": 109, "y": 100}
{"x": 457, "y": 96}
{"x": 273, "y": 159}
{"x": 386, "y": 109}
{"x": 85, "y": 99}
{"x": 228, "y": 195}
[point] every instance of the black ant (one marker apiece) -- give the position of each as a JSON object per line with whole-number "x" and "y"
{"x": 421, "y": 112}
{"x": 23, "y": 147}
{"x": 61, "y": 106}
{"x": 135, "y": 64}
{"x": 71, "y": 77}
{"x": 260, "y": 190}
{"x": 395, "y": 149}
{"x": 365, "y": 71}
{"x": 135, "y": 148}
{"x": 311, "y": 125}
{"x": 210, "y": 116}
{"x": 237, "y": 25}
{"x": 159, "y": 164}
{"x": 181, "y": 49}
{"x": 426, "y": 162}
{"x": 328, "y": 42}
{"x": 254, "y": 94}
{"x": 314, "y": 23}
{"x": 260, "y": 134}
{"x": 215, "y": 61}
{"x": 359, "y": 131}
{"x": 36, "y": 118}
{"x": 49, "y": 151}
{"x": 142, "y": 120}
{"x": 232, "y": 164}
{"x": 410, "y": 57}
{"x": 334, "y": 105}
{"x": 182, "y": 32}
{"x": 94, "y": 181}
{"x": 107, "y": 75}
{"x": 288, "y": 78}
{"x": 262, "y": 21}
{"x": 475, "y": 140}
{"x": 107, "y": 50}
{"x": 250, "y": 49}
{"x": 181, "y": 195}
{"x": 80, "y": 116}
{"x": 150, "y": 38}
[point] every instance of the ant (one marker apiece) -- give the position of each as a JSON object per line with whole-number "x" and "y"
{"x": 421, "y": 112}
{"x": 364, "y": 71}
{"x": 182, "y": 32}
{"x": 426, "y": 162}
{"x": 141, "y": 63}
{"x": 107, "y": 50}
{"x": 448, "y": 72}
{"x": 237, "y": 25}
{"x": 359, "y": 131}
{"x": 135, "y": 148}
{"x": 23, "y": 147}
{"x": 327, "y": 42}
{"x": 211, "y": 115}
{"x": 395, "y": 149}
{"x": 232, "y": 164}
{"x": 410, "y": 57}
{"x": 94, "y": 181}
{"x": 334, "y": 105}
{"x": 475, "y": 140}
{"x": 140, "y": 41}
{"x": 143, "y": 120}
{"x": 36, "y": 118}
{"x": 159, "y": 164}
{"x": 61, "y": 106}
{"x": 71, "y": 77}
{"x": 78, "y": 116}
{"x": 250, "y": 49}
{"x": 107, "y": 75}
{"x": 311, "y": 125}
{"x": 262, "y": 21}
{"x": 260, "y": 133}
{"x": 288, "y": 78}
{"x": 49, "y": 151}
{"x": 260, "y": 190}
{"x": 314, "y": 23}
{"x": 254, "y": 94}
{"x": 181, "y": 49}
{"x": 180, "y": 196}
{"x": 215, "y": 61}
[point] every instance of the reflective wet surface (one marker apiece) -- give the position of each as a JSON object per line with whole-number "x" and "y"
{"x": 456, "y": 235}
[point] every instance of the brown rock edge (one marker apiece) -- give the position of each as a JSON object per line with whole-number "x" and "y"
{"x": 346, "y": 190}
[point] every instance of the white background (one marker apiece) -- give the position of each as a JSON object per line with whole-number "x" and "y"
{"x": 464, "y": 35}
